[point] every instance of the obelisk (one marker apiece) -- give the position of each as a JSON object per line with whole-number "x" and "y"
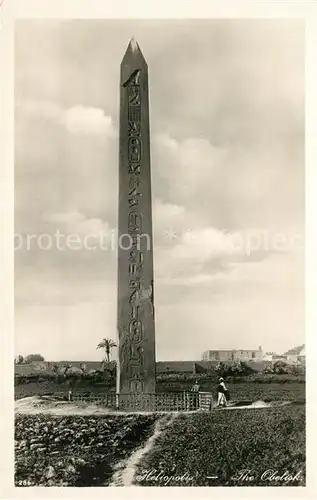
{"x": 135, "y": 321}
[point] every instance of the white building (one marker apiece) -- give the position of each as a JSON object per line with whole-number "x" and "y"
{"x": 233, "y": 355}
{"x": 296, "y": 355}
{"x": 272, "y": 356}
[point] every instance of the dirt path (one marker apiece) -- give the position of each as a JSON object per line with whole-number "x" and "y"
{"x": 126, "y": 470}
{"x": 35, "y": 404}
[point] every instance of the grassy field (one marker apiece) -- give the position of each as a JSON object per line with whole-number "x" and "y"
{"x": 74, "y": 450}
{"x": 225, "y": 443}
{"x": 273, "y": 391}
{"x": 39, "y": 388}
{"x": 83, "y": 450}
{"x": 268, "y": 392}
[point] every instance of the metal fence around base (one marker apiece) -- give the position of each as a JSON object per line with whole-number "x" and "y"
{"x": 205, "y": 401}
{"x": 177, "y": 401}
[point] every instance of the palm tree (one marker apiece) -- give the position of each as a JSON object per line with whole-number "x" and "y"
{"x": 107, "y": 344}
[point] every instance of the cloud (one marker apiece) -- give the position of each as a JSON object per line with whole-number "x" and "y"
{"x": 76, "y": 222}
{"x": 196, "y": 254}
{"x": 76, "y": 120}
{"x": 186, "y": 165}
{"x": 81, "y": 120}
{"x": 232, "y": 187}
{"x": 61, "y": 171}
{"x": 66, "y": 217}
{"x": 167, "y": 216}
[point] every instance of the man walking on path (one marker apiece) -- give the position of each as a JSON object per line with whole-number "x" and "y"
{"x": 222, "y": 393}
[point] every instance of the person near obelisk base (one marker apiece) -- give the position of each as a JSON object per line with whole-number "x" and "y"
{"x": 195, "y": 390}
{"x": 222, "y": 392}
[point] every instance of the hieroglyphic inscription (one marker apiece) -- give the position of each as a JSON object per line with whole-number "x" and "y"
{"x": 135, "y": 298}
{"x": 135, "y": 264}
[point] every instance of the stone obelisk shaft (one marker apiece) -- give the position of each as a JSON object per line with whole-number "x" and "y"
{"x": 136, "y": 332}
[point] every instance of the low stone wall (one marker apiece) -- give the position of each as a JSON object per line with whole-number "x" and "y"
{"x": 178, "y": 401}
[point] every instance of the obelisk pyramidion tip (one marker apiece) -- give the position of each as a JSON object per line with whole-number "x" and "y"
{"x": 133, "y": 56}
{"x": 134, "y": 44}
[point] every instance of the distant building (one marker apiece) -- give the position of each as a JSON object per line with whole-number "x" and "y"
{"x": 272, "y": 356}
{"x": 233, "y": 355}
{"x": 268, "y": 356}
{"x": 296, "y": 355}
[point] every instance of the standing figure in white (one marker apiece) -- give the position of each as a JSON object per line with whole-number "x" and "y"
{"x": 222, "y": 393}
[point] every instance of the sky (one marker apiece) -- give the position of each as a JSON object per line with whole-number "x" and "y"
{"x": 227, "y": 152}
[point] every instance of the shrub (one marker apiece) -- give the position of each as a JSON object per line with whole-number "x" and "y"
{"x": 19, "y": 360}
{"x": 280, "y": 367}
{"x": 184, "y": 377}
{"x": 237, "y": 368}
{"x": 33, "y": 357}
